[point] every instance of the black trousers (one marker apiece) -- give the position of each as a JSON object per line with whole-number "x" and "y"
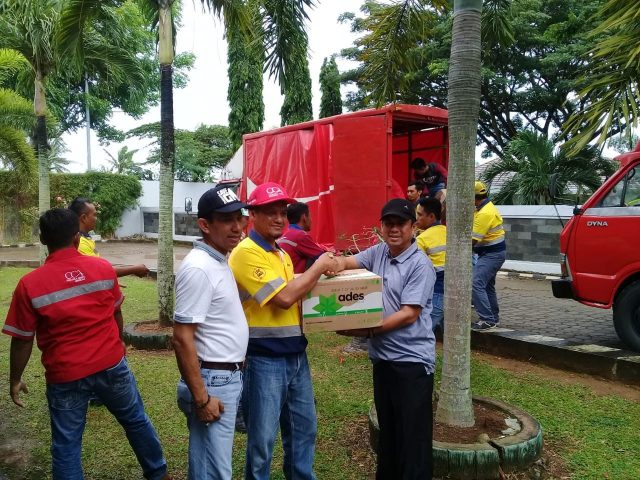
{"x": 402, "y": 392}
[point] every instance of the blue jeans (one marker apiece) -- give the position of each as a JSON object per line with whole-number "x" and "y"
{"x": 210, "y": 446}
{"x": 116, "y": 388}
{"x": 437, "y": 312}
{"x": 484, "y": 295}
{"x": 435, "y": 189}
{"x": 278, "y": 392}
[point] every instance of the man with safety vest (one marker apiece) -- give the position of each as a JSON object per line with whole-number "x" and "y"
{"x": 490, "y": 246}
{"x": 433, "y": 242}
{"x": 277, "y": 391}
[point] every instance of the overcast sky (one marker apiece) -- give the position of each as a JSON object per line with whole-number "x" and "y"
{"x": 204, "y": 99}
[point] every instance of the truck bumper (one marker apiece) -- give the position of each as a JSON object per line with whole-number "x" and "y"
{"x": 562, "y": 288}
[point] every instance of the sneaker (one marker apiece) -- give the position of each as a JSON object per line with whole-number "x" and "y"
{"x": 482, "y": 326}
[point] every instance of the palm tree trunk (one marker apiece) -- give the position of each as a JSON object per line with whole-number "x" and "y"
{"x": 167, "y": 158}
{"x": 42, "y": 148}
{"x": 454, "y": 404}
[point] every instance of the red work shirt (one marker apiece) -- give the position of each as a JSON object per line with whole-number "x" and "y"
{"x": 300, "y": 247}
{"x": 69, "y": 304}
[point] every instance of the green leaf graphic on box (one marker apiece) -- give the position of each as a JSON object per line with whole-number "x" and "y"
{"x": 327, "y": 305}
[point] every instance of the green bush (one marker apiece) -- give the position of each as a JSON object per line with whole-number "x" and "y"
{"x": 113, "y": 194}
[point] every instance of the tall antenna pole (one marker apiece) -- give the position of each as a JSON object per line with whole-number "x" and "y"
{"x": 88, "y": 120}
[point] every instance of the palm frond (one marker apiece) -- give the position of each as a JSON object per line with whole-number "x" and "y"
{"x": 73, "y": 20}
{"x": 11, "y": 63}
{"x": 16, "y": 152}
{"x": 531, "y": 164}
{"x": 112, "y": 61}
{"x": 284, "y": 35}
{"x": 15, "y": 111}
{"x": 496, "y": 25}
{"x": 395, "y": 30}
{"x": 612, "y": 92}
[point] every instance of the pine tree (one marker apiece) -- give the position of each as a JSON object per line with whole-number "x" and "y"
{"x": 331, "y": 102}
{"x": 297, "y": 107}
{"x": 245, "y": 57}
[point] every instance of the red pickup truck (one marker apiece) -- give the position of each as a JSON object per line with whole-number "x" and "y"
{"x": 600, "y": 250}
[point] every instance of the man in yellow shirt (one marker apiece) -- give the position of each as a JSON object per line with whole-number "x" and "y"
{"x": 433, "y": 242}
{"x": 490, "y": 246}
{"x": 88, "y": 217}
{"x": 277, "y": 389}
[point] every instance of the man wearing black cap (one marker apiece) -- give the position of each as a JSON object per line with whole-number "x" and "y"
{"x": 210, "y": 336}
{"x": 402, "y": 349}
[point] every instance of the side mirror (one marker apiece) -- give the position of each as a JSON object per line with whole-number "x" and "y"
{"x": 577, "y": 210}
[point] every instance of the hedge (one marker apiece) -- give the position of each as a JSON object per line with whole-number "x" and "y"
{"x": 112, "y": 194}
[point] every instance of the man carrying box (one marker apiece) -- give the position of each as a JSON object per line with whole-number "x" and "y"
{"x": 277, "y": 382}
{"x": 402, "y": 349}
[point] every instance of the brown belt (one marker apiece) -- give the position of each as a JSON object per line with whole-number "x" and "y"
{"x": 233, "y": 366}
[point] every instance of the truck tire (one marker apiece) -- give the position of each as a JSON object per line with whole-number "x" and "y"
{"x": 626, "y": 315}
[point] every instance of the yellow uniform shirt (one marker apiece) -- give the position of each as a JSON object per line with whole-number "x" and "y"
{"x": 261, "y": 272}
{"x": 488, "y": 228}
{"x": 87, "y": 246}
{"x": 433, "y": 242}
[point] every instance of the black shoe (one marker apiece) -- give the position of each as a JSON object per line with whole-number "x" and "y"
{"x": 482, "y": 326}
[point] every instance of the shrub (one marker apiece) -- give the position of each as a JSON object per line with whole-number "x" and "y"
{"x": 113, "y": 194}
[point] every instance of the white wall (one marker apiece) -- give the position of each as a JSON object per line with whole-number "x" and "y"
{"x": 132, "y": 222}
{"x": 535, "y": 211}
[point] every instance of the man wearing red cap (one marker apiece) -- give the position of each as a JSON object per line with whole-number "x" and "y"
{"x": 277, "y": 382}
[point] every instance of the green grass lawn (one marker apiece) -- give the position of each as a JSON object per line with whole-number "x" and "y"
{"x": 595, "y": 436}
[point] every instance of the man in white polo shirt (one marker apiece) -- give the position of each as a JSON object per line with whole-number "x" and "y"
{"x": 210, "y": 336}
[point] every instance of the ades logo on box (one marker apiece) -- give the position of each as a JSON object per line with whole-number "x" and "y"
{"x": 351, "y": 297}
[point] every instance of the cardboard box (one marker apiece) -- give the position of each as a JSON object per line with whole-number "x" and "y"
{"x": 351, "y": 299}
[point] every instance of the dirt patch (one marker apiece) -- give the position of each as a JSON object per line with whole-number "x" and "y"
{"x": 153, "y": 327}
{"x": 489, "y": 421}
{"x": 599, "y": 386}
{"x": 355, "y": 441}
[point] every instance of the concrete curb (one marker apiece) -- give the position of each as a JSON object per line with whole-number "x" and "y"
{"x": 21, "y": 245}
{"x": 20, "y": 263}
{"x": 527, "y": 275}
{"x": 607, "y": 362}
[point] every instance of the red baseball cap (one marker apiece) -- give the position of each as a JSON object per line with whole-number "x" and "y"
{"x": 268, "y": 193}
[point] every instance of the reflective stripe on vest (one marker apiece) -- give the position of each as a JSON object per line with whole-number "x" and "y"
{"x": 68, "y": 293}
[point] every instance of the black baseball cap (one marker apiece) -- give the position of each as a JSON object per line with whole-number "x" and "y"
{"x": 220, "y": 199}
{"x": 400, "y": 208}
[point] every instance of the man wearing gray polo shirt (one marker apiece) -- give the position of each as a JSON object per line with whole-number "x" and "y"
{"x": 210, "y": 336}
{"x": 402, "y": 349}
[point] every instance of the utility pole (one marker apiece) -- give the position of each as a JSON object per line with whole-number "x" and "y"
{"x": 88, "y": 120}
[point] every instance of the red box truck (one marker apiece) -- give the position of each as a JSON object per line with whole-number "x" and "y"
{"x": 347, "y": 166}
{"x": 600, "y": 250}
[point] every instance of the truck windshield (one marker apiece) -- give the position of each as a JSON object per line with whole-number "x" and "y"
{"x": 625, "y": 193}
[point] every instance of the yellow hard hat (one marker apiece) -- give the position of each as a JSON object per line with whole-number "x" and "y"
{"x": 480, "y": 188}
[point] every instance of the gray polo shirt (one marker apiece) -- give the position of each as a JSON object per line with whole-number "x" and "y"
{"x": 407, "y": 279}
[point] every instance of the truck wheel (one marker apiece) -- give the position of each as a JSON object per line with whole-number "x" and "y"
{"x": 626, "y": 315}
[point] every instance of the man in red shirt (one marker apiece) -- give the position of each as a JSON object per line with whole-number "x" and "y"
{"x": 296, "y": 241}
{"x": 71, "y": 306}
